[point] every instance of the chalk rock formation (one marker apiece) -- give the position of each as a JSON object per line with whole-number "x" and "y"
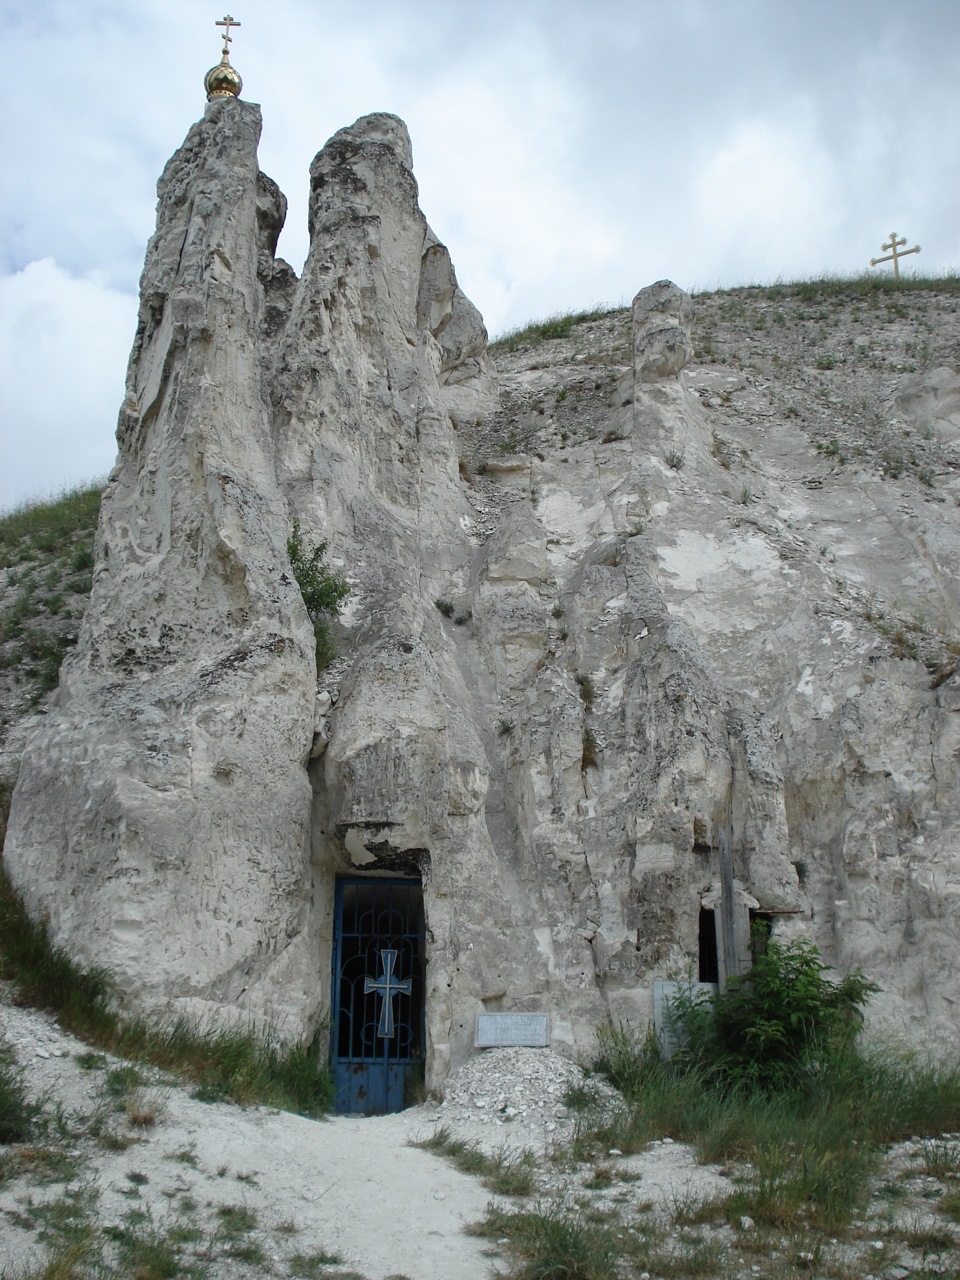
{"x": 638, "y": 723}
{"x": 769, "y": 632}
{"x": 162, "y": 815}
{"x": 662, "y": 315}
{"x": 211, "y": 799}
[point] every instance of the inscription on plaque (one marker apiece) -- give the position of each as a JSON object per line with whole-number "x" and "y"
{"x": 512, "y": 1031}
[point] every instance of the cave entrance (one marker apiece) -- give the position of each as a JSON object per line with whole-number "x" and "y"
{"x": 377, "y": 1003}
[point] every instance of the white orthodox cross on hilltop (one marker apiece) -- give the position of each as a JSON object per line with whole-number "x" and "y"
{"x": 896, "y": 254}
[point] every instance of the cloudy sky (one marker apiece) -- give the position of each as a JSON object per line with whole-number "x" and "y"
{"x": 568, "y": 153}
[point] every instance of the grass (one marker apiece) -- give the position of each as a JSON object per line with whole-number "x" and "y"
{"x": 950, "y": 1206}
{"x": 139, "y": 1247}
{"x": 240, "y": 1065}
{"x": 47, "y": 550}
{"x": 37, "y": 531}
{"x": 803, "y": 1158}
{"x": 554, "y": 1242}
{"x": 18, "y": 1116}
{"x": 941, "y": 1158}
{"x": 311, "y": 1266}
{"x": 812, "y": 1148}
{"x": 506, "y": 1173}
{"x": 560, "y": 325}
{"x": 873, "y": 285}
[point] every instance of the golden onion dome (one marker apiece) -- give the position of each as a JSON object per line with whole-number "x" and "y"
{"x": 222, "y": 81}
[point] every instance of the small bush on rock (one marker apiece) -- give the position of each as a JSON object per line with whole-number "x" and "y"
{"x": 773, "y": 1025}
{"x": 322, "y": 591}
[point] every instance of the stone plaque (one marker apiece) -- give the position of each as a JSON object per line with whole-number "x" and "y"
{"x": 512, "y": 1030}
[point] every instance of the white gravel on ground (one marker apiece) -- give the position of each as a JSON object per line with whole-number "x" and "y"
{"x": 353, "y": 1186}
{"x": 349, "y": 1185}
{"x": 356, "y": 1187}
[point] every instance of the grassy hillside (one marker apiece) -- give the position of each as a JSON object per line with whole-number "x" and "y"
{"x": 46, "y": 560}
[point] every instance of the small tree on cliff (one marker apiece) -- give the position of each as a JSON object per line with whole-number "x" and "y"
{"x": 321, "y": 589}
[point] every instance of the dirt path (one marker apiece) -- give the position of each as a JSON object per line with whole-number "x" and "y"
{"x": 347, "y": 1187}
{"x": 147, "y": 1181}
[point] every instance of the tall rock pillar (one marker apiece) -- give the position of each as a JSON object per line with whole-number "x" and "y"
{"x": 161, "y": 820}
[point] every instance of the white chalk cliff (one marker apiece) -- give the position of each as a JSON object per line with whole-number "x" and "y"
{"x": 652, "y": 700}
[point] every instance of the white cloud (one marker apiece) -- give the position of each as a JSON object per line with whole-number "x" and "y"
{"x": 767, "y": 199}
{"x": 567, "y": 153}
{"x": 493, "y": 186}
{"x": 63, "y": 349}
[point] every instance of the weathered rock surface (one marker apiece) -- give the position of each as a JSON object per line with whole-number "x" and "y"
{"x": 797, "y": 533}
{"x": 670, "y": 696}
{"x": 162, "y": 814}
{"x": 662, "y": 315}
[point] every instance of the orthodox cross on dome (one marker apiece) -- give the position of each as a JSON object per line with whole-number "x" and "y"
{"x": 388, "y": 986}
{"x": 896, "y": 253}
{"x": 227, "y": 22}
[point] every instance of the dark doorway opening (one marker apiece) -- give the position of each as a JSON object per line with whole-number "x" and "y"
{"x": 708, "y": 969}
{"x": 377, "y": 1031}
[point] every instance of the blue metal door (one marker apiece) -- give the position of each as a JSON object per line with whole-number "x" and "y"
{"x": 378, "y": 993}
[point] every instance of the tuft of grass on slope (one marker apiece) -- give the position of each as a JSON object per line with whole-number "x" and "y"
{"x": 555, "y": 1242}
{"x": 18, "y": 1115}
{"x": 238, "y": 1065}
{"x": 560, "y": 325}
{"x": 505, "y": 1173}
{"x": 41, "y": 529}
{"x": 865, "y": 285}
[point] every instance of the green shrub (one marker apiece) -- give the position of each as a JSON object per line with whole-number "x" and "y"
{"x": 776, "y": 1023}
{"x": 322, "y": 591}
